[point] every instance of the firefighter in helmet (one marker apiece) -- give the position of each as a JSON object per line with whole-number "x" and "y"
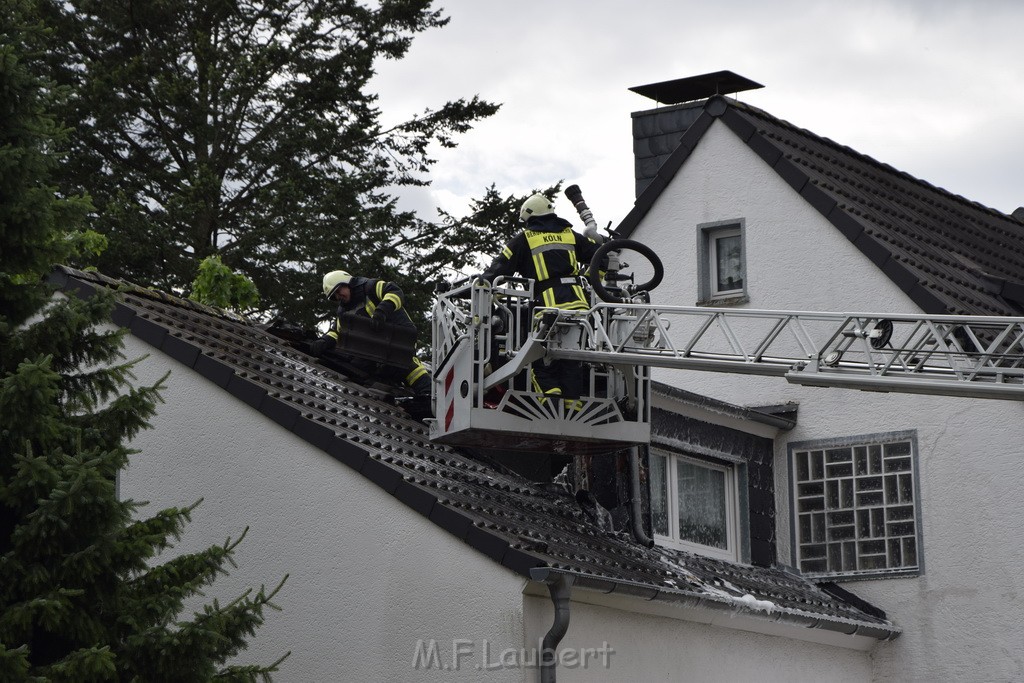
{"x": 381, "y": 302}
{"x": 550, "y": 252}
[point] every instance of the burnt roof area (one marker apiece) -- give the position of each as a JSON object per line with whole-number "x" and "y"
{"x": 949, "y": 254}
{"x": 520, "y": 524}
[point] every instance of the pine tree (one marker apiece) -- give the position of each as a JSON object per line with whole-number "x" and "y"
{"x": 80, "y": 596}
{"x": 250, "y": 130}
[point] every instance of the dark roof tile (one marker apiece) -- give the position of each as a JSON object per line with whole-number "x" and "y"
{"x": 518, "y": 523}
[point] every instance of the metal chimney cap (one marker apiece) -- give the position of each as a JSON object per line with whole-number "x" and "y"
{"x": 696, "y": 87}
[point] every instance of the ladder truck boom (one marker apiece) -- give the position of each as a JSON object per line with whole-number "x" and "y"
{"x": 973, "y": 356}
{"x": 487, "y": 335}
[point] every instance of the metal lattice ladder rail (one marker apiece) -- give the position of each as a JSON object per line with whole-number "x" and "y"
{"x": 972, "y": 356}
{"x": 486, "y": 338}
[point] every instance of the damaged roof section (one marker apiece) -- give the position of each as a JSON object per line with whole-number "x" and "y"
{"x": 519, "y": 524}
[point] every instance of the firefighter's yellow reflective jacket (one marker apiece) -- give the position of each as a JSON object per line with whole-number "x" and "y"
{"x": 554, "y": 255}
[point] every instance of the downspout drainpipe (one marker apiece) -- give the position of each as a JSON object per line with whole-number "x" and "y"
{"x": 560, "y": 587}
{"x": 639, "y": 533}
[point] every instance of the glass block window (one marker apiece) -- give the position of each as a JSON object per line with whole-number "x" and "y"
{"x": 693, "y": 504}
{"x": 856, "y": 506}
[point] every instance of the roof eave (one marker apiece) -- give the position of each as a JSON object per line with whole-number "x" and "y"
{"x": 713, "y": 603}
{"x": 776, "y": 418}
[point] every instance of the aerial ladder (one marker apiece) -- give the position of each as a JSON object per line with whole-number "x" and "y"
{"x": 487, "y": 335}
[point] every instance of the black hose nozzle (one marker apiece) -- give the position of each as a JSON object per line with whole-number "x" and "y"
{"x": 575, "y": 195}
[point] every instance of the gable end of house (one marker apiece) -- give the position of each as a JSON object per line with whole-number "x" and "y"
{"x": 910, "y": 230}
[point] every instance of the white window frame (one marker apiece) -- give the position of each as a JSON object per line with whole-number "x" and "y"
{"x": 883, "y": 500}
{"x": 714, "y": 239}
{"x": 707, "y": 266}
{"x": 731, "y": 551}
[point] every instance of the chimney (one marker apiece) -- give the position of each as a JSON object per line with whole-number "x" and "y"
{"x": 656, "y": 132}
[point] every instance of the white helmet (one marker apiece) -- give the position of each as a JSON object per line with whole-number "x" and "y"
{"x": 537, "y": 205}
{"x": 333, "y": 280}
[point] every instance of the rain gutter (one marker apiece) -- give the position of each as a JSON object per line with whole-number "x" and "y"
{"x": 704, "y": 601}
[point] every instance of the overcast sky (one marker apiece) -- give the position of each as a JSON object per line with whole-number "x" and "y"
{"x": 932, "y": 87}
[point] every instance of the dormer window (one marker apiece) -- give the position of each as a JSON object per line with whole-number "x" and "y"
{"x": 694, "y": 504}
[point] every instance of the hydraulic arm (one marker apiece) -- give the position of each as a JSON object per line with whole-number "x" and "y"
{"x": 487, "y": 336}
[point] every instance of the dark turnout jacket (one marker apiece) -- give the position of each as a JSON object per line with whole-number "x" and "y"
{"x": 554, "y": 255}
{"x": 369, "y": 295}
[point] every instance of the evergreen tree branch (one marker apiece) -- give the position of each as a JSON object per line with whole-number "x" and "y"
{"x": 69, "y": 547}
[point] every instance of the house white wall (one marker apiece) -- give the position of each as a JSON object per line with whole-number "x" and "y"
{"x": 368, "y": 577}
{"x": 372, "y": 584}
{"x": 651, "y": 647}
{"x": 961, "y": 618}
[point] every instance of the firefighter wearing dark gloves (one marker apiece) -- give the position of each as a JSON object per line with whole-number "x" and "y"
{"x": 548, "y": 251}
{"x": 381, "y": 301}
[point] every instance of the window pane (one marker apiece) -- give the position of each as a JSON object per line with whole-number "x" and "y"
{"x": 659, "y": 495}
{"x": 728, "y": 263}
{"x": 702, "y": 515}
